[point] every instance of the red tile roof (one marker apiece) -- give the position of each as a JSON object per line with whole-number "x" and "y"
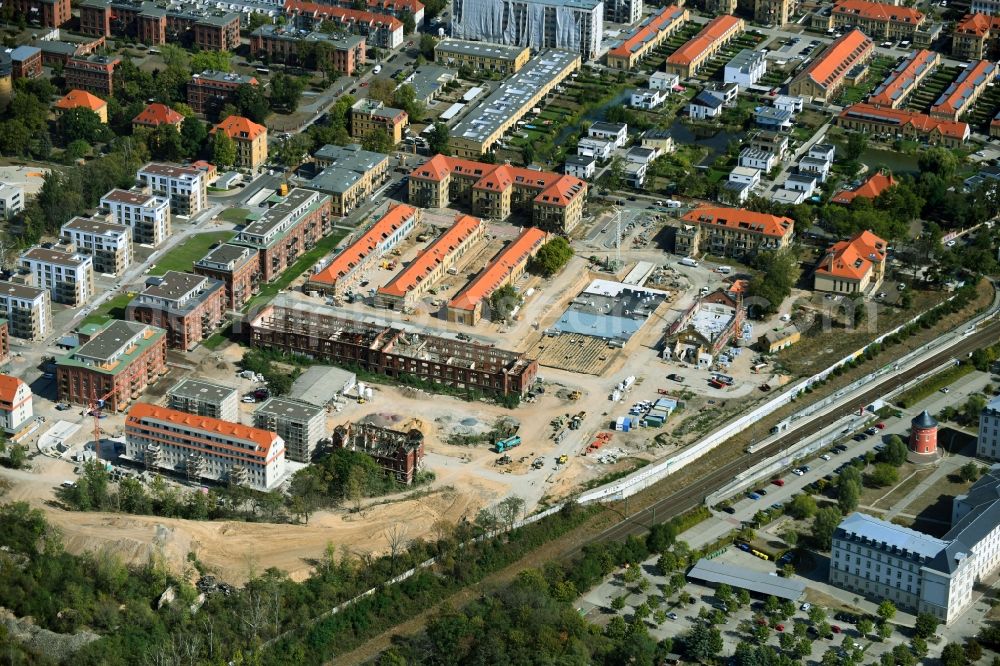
{"x": 878, "y": 11}
{"x": 364, "y": 244}
{"x": 262, "y": 438}
{"x": 8, "y": 390}
{"x": 661, "y": 20}
{"x": 921, "y": 122}
{"x": 853, "y": 259}
{"x": 902, "y": 80}
{"x": 75, "y": 99}
{"x": 157, "y": 114}
{"x": 958, "y": 96}
{"x": 837, "y": 60}
{"x": 741, "y": 219}
{"x": 490, "y": 279}
{"x": 713, "y": 31}
{"x": 432, "y": 256}
{"x": 346, "y": 15}
{"x": 238, "y": 127}
{"x": 555, "y": 189}
{"x": 977, "y": 25}
{"x": 874, "y": 185}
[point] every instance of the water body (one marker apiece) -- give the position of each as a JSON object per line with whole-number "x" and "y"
{"x": 715, "y": 140}
{"x": 898, "y": 163}
{"x": 597, "y": 114}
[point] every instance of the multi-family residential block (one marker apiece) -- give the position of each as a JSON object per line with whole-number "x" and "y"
{"x": 828, "y": 72}
{"x": 109, "y": 244}
{"x": 688, "y": 59}
{"x": 878, "y": 19}
{"x": 369, "y": 116}
{"x": 237, "y": 267}
{"x": 300, "y": 424}
{"x": 209, "y": 91}
{"x": 379, "y": 29}
{"x": 350, "y": 175}
{"x": 93, "y": 73}
{"x": 15, "y": 405}
{"x": 250, "y": 139}
{"x": 481, "y": 56}
{"x": 11, "y": 200}
{"x": 68, "y": 276}
{"x": 854, "y": 266}
{"x": 988, "y": 444}
{"x": 204, "y": 399}
{"x": 645, "y": 37}
{"x": 344, "y": 53}
{"x": 532, "y": 23}
{"x": 184, "y": 187}
{"x": 188, "y": 307}
{"x": 147, "y": 215}
{"x": 732, "y": 232}
{"x": 27, "y": 310}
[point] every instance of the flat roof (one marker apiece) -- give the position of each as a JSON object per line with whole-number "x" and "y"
{"x": 173, "y": 285}
{"x": 713, "y": 571}
{"x": 15, "y": 290}
{"x": 114, "y": 347}
{"x": 276, "y": 216}
{"x": 226, "y": 254}
{"x": 196, "y": 389}
{"x": 513, "y": 95}
{"x": 319, "y": 384}
{"x": 93, "y": 226}
{"x": 56, "y": 257}
{"x": 294, "y": 410}
{"x": 483, "y": 49}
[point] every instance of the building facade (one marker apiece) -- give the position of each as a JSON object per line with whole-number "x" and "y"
{"x": 732, "y": 232}
{"x": 400, "y": 454}
{"x": 827, "y": 73}
{"x": 209, "y": 91}
{"x": 344, "y": 54}
{"x": 109, "y": 244}
{"x": 988, "y": 444}
{"x": 114, "y": 363}
{"x": 904, "y": 124}
{"x": 147, "y": 215}
{"x": 379, "y": 29}
{"x": 572, "y": 25}
{"x": 15, "y": 405}
{"x": 184, "y": 187}
{"x": 905, "y": 78}
{"x": 300, "y": 424}
{"x": 164, "y": 438}
{"x": 962, "y": 93}
{"x": 26, "y": 62}
{"x": 157, "y": 114}
{"x": 746, "y": 68}
{"x": 188, "y": 307}
{"x": 68, "y": 277}
{"x": 237, "y": 267}
{"x": 878, "y": 19}
{"x": 289, "y": 228}
{"x": 976, "y": 37}
{"x": 645, "y": 37}
{"x": 204, "y": 399}
{"x": 853, "y": 266}
{"x": 350, "y": 175}
{"x": 250, "y": 139}
{"x": 368, "y": 116}
{"x": 774, "y": 12}
{"x": 688, "y": 59}
{"x": 27, "y": 311}
{"x": 93, "y": 73}
{"x": 46, "y": 13}
{"x": 481, "y": 56}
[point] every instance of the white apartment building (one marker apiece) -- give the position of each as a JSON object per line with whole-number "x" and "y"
{"x": 746, "y": 68}
{"x": 757, "y": 159}
{"x": 300, "y": 424}
{"x": 15, "y": 404}
{"x": 11, "y": 200}
{"x": 580, "y": 166}
{"x": 623, "y": 11}
{"x": 28, "y": 310}
{"x": 185, "y": 187}
{"x": 146, "y": 214}
{"x": 990, "y": 7}
{"x": 69, "y": 277}
{"x": 664, "y": 80}
{"x": 572, "y": 25}
{"x": 616, "y": 133}
{"x": 599, "y": 149}
{"x": 205, "y": 399}
{"x": 109, "y": 244}
{"x": 917, "y": 572}
{"x": 203, "y": 447}
{"x": 988, "y": 445}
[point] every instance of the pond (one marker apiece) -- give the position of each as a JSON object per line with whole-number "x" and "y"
{"x": 717, "y": 141}
{"x": 596, "y": 114}
{"x": 898, "y": 163}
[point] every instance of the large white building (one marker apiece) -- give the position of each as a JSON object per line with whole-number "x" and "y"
{"x": 28, "y": 310}
{"x": 185, "y": 187}
{"x": 147, "y": 215}
{"x": 300, "y": 424}
{"x": 574, "y": 25}
{"x": 69, "y": 277}
{"x": 109, "y": 244}
{"x": 746, "y": 68}
{"x": 15, "y": 405}
{"x": 11, "y": 200}
{"x": 205, "y": 399}
{"x": 622, "y": 11}
{"x": 988, "y": 445}
{"x": 918, "y": 572}
{"x": 202, "y": 447}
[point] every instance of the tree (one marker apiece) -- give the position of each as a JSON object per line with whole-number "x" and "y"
{"x": 724, "y": 594}
{"x": 926, "y": 625}
{"x": 938, "y": 161}
{"x": 824, "y": 524}
{"x": 405, "y": 97}
{"x": 502, "y": 302}
{"x": 193, "y": 136}
{"x": 895, "y": 451}
{"x": 286, "y": 91}
{"x": 883, "y": 475}
{"x": 953, "y": 655}
{"x": 220, "y": 61}
{"x": 438, "y": 139}
{"x": 742, "y": 598}
{"x": 886, "y": 610}
{"x": 884, "y": 630}
{"x": 642, "y": 611}
{"x": 919, "y": 647}
{"x": 790, "y": 536}
{"x": 17, "y": 455}
{"x": 223, "y": 150}
{"x": 702, "y": 643}
{"x": 615, "y": 177}
{"x": 801, "y": 507}
{"x": 77, "y": 149}
{"x": 856, "y": 145}
{"x": 378, "y": 141}
{"x": 973, "y": 650}
{"x": 409, "y": 25}
{"x": 969, "y": 471}
{"x": 865, "y": 626}
{"x": 779, "y": 274}
{"x": 250, "y": 102}
{"x": 82, "y": 124}
{"x": 551, "y": 257}
{"x": 354, "y": 488}
{"x": 848, "y": 496}
{"x": 817, "y": 615}
{"x": 165, "y": 143}
{"x": 427, "y": 44}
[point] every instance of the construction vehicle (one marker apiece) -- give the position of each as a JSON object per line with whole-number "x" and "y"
{"x": 283, "y": 189}
{"x": 508, "y": 444}
{"x": 575, "y": 395}
{"x": 600, "y": 440}
{"x": 538, "y": 463}
{"x": 563, "y": 459}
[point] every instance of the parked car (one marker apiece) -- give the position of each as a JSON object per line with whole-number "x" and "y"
{"x": 835, "y": 629}
{"x": 730, "y": 510}
{"x": 753, "y": 496}
{"x": 672, "y": 616}
{"x": 806, "y": 606}
{"x": 825, "y": 456}
{"x": 778, "y": 482}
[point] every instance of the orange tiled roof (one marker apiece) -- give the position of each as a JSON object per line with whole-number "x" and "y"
{"x": 977, "y": 25}
{"x": 852, "y": 259}
{"x": 713, "y": 31}
{"x": 874, "y": 185}
{"x": 837, "y": 60}
{"x": 238, "y": 127}
{"x": 157, "y": 114}
{"x": 902, "y": 79}
{"x": 8, "y": 389}
{"x": 488, "y": 281}
{"x": 741, "y": 219}
{"x": 339, "y": 13}
{"x": 921, "y": 122}
{"x": 878, "y": 11}
{"x": 554, "y": 188}
{"x": 431, "y": 256}
{"x": 958, "y": 94}
{"x": 262, "y": 438}
{"x": 364, "y": 244}
{"x": 76, "y": 99}
{"x": 656, "y": 23}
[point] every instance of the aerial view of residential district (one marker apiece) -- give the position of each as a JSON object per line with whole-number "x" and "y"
{"x": 499, "y": 332}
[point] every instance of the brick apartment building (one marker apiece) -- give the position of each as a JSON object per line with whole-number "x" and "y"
{"x": 27, "y": 62}
{"x": 288, "y": 229}
{"x": 398, "y": 453}
{"x": 4, "y": 341}
{"x": 47, "y": 13}
{"x": 93, "y": 73}
{"x": 189, "y": 307}
{"x": 209, "y": 91}
{"x": 345, "y": 53}
{"x": 156, "y": 24}
{"x": 237, "y": 267}
{"x": 379, "y": 30}
{"x": 116, "y": 362}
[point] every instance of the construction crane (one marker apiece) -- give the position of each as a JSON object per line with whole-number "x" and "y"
{"x": 97, "y": 404}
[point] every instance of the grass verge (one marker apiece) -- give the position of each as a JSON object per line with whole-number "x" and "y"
{"x": 113, "y": 308}
{"x": 325, "y": 245}
{"x": 182, "y": 257}
{"x": 932, "y": 384}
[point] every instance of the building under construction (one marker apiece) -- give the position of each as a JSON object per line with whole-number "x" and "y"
{"x": 398, "y": 453}
{"x": 390, "y": 350}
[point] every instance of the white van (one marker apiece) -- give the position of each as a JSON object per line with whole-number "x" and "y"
{"x": 377, "y": 69}
{"x": 724, "y": 270}
{"x": 688, "y": 261}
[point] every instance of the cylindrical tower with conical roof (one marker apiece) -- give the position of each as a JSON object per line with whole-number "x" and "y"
{"x": 923, "y": 434}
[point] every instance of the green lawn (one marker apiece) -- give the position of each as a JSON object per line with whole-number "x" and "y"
{"x": 323, "y": 247}
{"x": 182, "y": 257}
{"x": 234, "y": 215}
{"x": 113, "y": 308}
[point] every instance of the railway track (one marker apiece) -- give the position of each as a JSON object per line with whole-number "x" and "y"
{"x": 684, "y": 500}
